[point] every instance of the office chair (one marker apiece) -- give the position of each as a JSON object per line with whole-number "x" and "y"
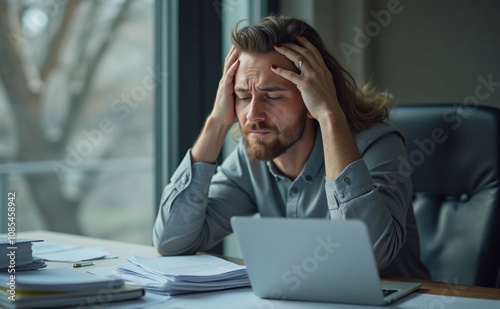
{"x": 454, "y": 162}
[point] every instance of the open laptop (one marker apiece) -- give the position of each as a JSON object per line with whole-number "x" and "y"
{"x": 313, "y": 260}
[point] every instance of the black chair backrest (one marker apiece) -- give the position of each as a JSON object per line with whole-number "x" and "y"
{"x": 454, "y": 162}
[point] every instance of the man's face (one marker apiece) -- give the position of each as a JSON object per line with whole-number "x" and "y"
{"x": 269, "y": 108}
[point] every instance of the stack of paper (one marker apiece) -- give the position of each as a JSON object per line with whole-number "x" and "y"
{"x": 57, "y": 287}
{"x": 17, "y": 255}
{"x": 182, "y": 274}
{"x": 50, "y": 251}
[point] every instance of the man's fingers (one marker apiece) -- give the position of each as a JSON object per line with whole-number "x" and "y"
{"x": 291, "y": 55}
{"x": 286, "y": 74}
{"x": 229, "y": 76}
{"x": 311, "y": 48}
{"x": 307, "y": 53}
{"x": 230, "y": 59}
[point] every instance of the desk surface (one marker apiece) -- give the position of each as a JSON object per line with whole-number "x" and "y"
{"x": 122, "y": 250}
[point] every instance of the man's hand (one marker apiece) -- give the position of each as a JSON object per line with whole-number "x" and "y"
{"x": 223, "y": 116}
{"x": 223, "y": 111}
{"x": 315, "y": 82}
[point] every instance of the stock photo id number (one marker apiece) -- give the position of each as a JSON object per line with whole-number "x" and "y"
{"x": 11, "y": 217}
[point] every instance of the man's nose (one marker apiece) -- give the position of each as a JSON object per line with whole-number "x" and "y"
{"x": 256, "y": 112}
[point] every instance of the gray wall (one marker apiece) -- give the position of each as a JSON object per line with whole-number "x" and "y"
{"x": 422, "y": 51}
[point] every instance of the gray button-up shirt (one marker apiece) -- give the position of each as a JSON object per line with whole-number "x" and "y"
{"x": 197, "y": 204}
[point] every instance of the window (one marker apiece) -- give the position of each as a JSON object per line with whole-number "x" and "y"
{"x": 77, "y": 84}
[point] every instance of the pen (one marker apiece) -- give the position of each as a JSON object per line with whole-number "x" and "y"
{"x": 83, "y": 264}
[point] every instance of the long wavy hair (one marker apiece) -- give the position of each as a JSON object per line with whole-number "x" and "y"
{"x": 362, "y": 106}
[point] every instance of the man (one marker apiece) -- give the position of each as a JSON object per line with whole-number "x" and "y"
{"x": 313, "y": 145}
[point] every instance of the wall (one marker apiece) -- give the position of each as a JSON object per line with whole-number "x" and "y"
{"x": 422, "y": 51}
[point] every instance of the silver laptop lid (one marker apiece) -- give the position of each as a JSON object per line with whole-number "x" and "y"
{"x": 309, "y": 259}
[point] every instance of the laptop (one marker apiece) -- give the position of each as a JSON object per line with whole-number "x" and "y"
{"x": 313, "y": 260}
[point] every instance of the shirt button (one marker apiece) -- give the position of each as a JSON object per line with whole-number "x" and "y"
{"x": 347, "y": 180}
{"x": 308, "y": 178}
{"x": 185, "y": 179}
{"x": 341, "y": 195}
{"x": 295, "y": 190}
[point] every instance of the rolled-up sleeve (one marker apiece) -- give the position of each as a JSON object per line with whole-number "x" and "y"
{"x": 182, "y": 206}
{"x": 196, "y": 207}
{"x": 374, "y": 189}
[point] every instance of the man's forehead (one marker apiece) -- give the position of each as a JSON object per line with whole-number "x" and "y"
{"x": 260, "y": 88}
{"x": 256, "y": 69}
{"x": 261, "y": 82}
{"x": 252, "y": 60}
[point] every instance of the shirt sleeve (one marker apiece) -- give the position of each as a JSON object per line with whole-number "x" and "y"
{"x": 196, "y": 207}
{"x": 375, "y": 190}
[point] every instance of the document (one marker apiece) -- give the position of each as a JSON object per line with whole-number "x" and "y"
{"x": 55, "y": 252}
{"x": 18, "y": 254}
{"x": 182, "y": 274}
{"x": 195, "y": 267}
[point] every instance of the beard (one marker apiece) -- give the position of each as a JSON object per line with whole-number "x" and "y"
{"x": 259, "y": 149}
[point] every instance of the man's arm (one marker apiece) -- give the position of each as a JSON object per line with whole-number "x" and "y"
{"x": 193, "y": 218}
{"x": 315, "y": 83}
{"x": 384, "y": 211}
{"x": 181, "y": 217}
{"x": 209, "y": 143}
{"x": 185, "y": 223}
{"x": 339, "y": 146}
{"x": 223, "y": 115}
{"x": 374, "y": 190}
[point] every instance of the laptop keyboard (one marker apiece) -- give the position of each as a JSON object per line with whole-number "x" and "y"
{"x": 388, "y": 292}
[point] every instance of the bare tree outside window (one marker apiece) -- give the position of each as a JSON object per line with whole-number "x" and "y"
{"x": 76, "y": 115}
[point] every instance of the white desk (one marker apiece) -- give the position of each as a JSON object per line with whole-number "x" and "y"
{"x": 121, "y": 249}
{"x": 440, "y": 289}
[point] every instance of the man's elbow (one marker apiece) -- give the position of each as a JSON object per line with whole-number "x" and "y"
{"x": 166, "y": 250}
{"x": 161, "y": 248}
{"x": 385, "y": 254}
{"x": 161, "y": 244}
{"x": 170, "y": 247}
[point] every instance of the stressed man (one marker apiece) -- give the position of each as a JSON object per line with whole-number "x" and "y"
{"x": 313, "y": 145}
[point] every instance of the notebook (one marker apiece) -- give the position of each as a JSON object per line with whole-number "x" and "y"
{"x": 57, "y": 279}
{"x": 25, "y": 299}
{"x": 313, "y": 260}
{"x": 62, "y": 287}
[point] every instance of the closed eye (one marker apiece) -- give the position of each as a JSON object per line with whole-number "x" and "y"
{"x": 274, "y": 98}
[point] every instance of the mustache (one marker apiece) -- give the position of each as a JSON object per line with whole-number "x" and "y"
{"x": 254, "y": 126}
